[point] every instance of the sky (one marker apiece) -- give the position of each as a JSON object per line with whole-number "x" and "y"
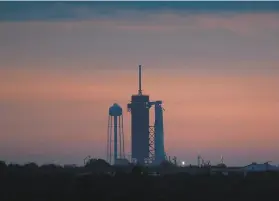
{"x": 215, "y": 66}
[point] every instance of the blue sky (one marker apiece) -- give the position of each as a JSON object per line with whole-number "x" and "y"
{"x": 21, "y": 11}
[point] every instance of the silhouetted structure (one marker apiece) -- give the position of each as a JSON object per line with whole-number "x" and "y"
{"x": 115, "y": 136}
{"x": 139, "y": 108}
{"x": 147, "y": 141}
{"x": 160, "y": 155}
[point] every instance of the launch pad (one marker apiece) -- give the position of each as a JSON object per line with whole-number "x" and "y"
{"x": 147, "y": 141}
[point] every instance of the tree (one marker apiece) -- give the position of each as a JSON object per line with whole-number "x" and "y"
{"x": 2, "y": 165}
{"x": 98, "y": 165}
{"x": 31, "y": 166}
{"x": 137, "y": 170}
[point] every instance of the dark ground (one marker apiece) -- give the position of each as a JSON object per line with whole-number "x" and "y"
{"x": 54, "y": 183}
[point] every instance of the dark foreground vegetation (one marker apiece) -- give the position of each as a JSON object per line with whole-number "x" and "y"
{"x": 99, "y": 181}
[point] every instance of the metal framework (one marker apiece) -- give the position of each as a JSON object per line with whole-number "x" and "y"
{"x": 152, "y": 143}
{"x": 147, "y": 141}
{"x": 156, "y": 135}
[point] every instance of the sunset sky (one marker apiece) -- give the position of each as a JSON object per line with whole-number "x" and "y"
{"x": 215, "y": 66}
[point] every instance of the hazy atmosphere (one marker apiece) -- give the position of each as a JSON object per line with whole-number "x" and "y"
{"x": 215, "y": 65}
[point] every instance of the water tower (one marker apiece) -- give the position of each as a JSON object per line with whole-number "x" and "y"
{"x": 115, "y": 138}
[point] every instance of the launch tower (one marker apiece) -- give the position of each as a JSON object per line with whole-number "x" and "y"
{"x": 139, "y": 108}
{"x": 147, "y": 141}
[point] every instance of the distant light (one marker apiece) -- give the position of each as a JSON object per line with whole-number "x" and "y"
{"x": 183, "y": 163}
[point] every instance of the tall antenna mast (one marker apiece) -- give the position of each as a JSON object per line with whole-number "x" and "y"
{"x": 140, "y": 91}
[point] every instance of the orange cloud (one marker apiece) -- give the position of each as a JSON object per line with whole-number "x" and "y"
{"x": 203, "y": 112}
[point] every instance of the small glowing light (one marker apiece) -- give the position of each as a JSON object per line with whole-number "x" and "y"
{"x": 183, "y": 163}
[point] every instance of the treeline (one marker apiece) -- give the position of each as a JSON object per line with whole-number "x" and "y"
{"x": 94, "y": 181}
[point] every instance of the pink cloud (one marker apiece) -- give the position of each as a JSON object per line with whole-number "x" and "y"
{"x": 241, "y": 23}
